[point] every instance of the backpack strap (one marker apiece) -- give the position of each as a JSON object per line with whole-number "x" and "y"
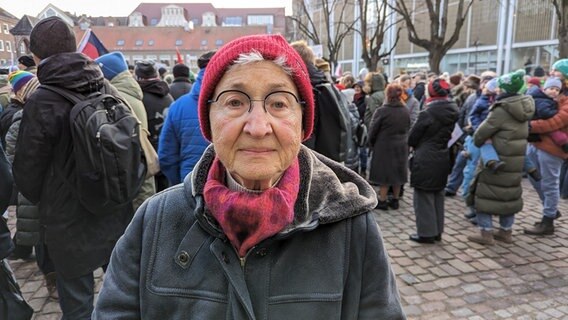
{"x": 72, "y": 96}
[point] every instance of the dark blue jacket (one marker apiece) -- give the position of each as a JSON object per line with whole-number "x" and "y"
{"x": 480, "y": 110}
{"x": 544, "y": 106}
{"x": 181, "y": 142}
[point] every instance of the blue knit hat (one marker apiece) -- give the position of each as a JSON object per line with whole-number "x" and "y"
{"x": 112, "y": 64}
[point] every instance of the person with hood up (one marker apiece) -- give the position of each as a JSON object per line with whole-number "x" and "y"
{"x": 157, "y": 100}
{"x": 263, "y": 227}
{"x": 115, "y": 70}
{"x": 78, "y": 241}
{"x": 375, "y": 89}
{"x": 181, "y": 142}
{"x": 430, "y": 164}
{"x": 500, "y": 192}
{"x": 181, "y": 83}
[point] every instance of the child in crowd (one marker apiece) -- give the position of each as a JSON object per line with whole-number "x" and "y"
{"x": 546, "y": 107}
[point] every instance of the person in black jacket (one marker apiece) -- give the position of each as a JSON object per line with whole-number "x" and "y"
{"x": 181, "y": 84}
{"x": 157, "y": 100}
{"x": 6, "y": 245}
{"x": 430, "y": 165}
{"x": 419, "y": 87}
{"x": 78, "y": 241}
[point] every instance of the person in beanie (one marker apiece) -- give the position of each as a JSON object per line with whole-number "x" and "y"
{"x": 157, "y": 100}
{"x": 27, "y": 63}
{"x": 115, "y": 70}
{"x": 181, "y": 142}
{"x": 18, "y": 80}
{"x": 548, "y": 156}
{"x": 388, "y": 137}
{"x": 430, "y": 164}
{"x": 5, "y": 89}
{"x": 499, "y": 192}
{"x": 78, "y": 241}
{"x": 308, "y": 231}
{"x": 181, "y": 84}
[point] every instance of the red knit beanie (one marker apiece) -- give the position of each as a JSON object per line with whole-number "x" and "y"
{"x": 438, "y": 88}
{"x": 271, "y": 47}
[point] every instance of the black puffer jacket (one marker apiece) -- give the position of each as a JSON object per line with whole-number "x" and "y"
{"x": 157, "y": 100}
{"x": 78, "y": 241}
{"x": 429, "y": 137}
{"x": 6, "y": 119}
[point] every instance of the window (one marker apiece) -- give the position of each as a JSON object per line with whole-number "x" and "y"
{"x": 179, "y": 42}
{"x": 203, "y": 43}
{"x": 153, "y": 22}
{"x": 233, "y": 21}
{"x": 260, "y": 20}
{"x": 8, "y": 46}
{"x": 120, "y": 42}
{"x": 138, "y": 43}
{"x": 6, "y": 31}
{"x": 150, "y": 43}
{"x": 1, "y": 45}
{"x": 218, "y": 42}
{"x": 22, "y": 48}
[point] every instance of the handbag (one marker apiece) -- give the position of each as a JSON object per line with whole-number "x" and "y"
{"x": 12, "y": 303}
{"x": 150, "y": 154}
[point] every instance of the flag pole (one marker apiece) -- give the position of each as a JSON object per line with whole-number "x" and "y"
{"x": 84, "y": 40}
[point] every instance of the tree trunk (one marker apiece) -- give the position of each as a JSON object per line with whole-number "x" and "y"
{"x": 563, "y": 31}
{"x": 434, "y": 58}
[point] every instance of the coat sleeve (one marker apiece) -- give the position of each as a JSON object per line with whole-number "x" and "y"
{"x": 119, "y": 296}
{"x": 40, "y": 130}
{"x": 5, "y": 183}
{"x": 417, "y": 131}
{"x": 373, "y": 293}
{"x": 11, "y": 138}
{"x": 169, "y": 147}
{"x": 557, "y": 122}
{"x": 489, "y": 126}
{"x": 414, "y": 109}
{"x": 376, "y": 122}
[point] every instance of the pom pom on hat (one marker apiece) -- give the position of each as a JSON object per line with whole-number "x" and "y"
{"x": 512, "y": 82}
{"x": 270, "y": 47}
{"x": 553, "y": 83}
{"x": 438, "y": 88}
{"x": 18, "y": 79}
{"x": 112, "y": 64}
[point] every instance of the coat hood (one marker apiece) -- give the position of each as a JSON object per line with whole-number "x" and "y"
{"x": 329, "y": 192}
{"x": 125, "y": 83}
{"x": 520, "y": 107}
{"x": 196, "y": 87}
{"x": 316, "y": 76}
{"x": 377, "y": 82}
{"x": 73, "y": 71}
{"x": 155, "y": 86}
{"x": 443, "y": 110}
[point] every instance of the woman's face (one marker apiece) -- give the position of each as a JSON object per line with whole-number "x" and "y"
{"x": 256, "y": 147}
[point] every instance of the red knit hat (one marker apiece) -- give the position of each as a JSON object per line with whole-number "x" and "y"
{"x": 438, "y": 88}
{"x": 271, "y": 47}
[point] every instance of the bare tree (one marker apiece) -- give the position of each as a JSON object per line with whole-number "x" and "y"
{"x": 436, "y": 45}
{"x": 374, "y": 27}
{"x": 561, "y": 9}
{"x": 335, "y": 27}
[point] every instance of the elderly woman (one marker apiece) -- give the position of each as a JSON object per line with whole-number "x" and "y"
{"x": 263, "y": 228}
{"x": 430, "y": 165}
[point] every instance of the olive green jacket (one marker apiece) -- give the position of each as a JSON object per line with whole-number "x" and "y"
{"x": 507, "y": 126}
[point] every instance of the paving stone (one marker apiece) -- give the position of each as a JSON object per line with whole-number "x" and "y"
{"x": 447, "y": 282}
{"x": 472, "y": 288}
{"x": 435, "y": 306}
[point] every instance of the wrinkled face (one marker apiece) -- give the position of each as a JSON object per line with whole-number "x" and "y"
{"x": 256, "y": 147}
{"x": 552, "y": 92}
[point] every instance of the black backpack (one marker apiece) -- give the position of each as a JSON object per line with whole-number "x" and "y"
{"x": 109, "y": 169}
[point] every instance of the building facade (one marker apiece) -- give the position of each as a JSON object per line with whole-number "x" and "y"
{"x": 9, "y": 51}
{"x": 496, "y": 35}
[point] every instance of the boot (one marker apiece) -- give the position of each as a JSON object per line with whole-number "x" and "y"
{"x": 382, "y": 205}
{"x": 486, "y": 238}
{"x": 545, "y": 227}
{"x": 558, "y": 215}
{"x": 393, "y": 203}
{"x": 495, "y": 165}
{"x": 504, "y": 235}
{"x": 50, "y": 284}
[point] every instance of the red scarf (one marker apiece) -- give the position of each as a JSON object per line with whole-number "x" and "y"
{"x": 248, "y": 218}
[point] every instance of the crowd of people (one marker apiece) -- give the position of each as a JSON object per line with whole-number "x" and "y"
{"x": 267, "y": 164}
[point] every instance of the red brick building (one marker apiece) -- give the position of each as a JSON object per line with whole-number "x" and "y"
{"x": 8, "y": 49}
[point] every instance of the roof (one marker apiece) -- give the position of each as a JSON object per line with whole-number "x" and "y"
{"x": 165, "y": 37}
{"x": 6, "y": 14}
{"x": 24, "y": 26}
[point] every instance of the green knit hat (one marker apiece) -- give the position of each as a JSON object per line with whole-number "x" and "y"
{"x": 562, "y": 67}
{"x": 512, "y": 82}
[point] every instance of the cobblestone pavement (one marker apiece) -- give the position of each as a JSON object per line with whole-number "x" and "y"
{"x": 454, "y": 279}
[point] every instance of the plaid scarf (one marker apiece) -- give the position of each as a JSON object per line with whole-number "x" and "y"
{"x": 248, "y": 218}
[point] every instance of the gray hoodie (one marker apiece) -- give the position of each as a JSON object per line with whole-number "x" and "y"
{"x": 174, "y": 262}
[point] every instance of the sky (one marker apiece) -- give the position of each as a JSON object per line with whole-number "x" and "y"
{"x": 122, "y": 8}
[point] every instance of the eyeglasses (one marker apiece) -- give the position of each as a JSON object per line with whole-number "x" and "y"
{"x": 279, "y": 104}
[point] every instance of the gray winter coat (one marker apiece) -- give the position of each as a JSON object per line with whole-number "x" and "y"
{"x": 173, "y": 262}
